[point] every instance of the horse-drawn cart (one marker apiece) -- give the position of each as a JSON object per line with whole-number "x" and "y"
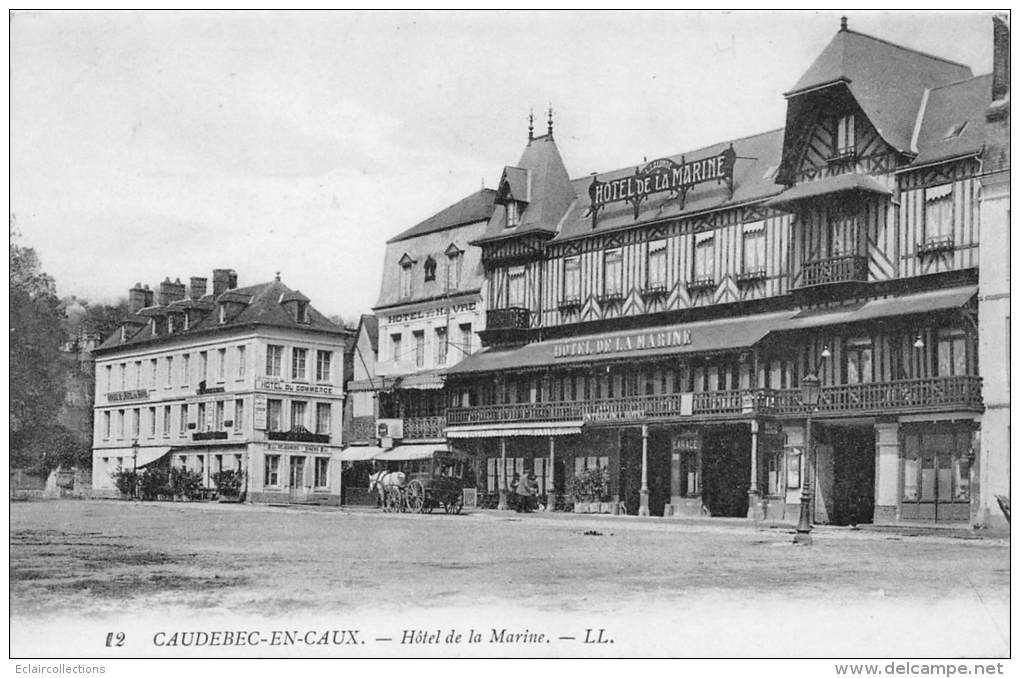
{"x": 420, "y": 479}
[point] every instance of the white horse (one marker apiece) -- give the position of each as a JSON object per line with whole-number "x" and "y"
{"x": 386, "y": 483}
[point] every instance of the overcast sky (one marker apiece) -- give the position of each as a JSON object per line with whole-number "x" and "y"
{"x": 153, "y": 144}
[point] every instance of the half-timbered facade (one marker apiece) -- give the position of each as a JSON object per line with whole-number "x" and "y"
{"x": 658, "y": 321}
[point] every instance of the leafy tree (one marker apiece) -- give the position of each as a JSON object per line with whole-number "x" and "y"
{"x": 37, "y": 372}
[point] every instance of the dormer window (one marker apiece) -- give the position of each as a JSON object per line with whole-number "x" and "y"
{"x": 513, "y": 213}
{"x": 223, "y": 313}
{"x": 406, "y": 266}
{"x": 430, "y": 269}
{"x": 301, "y": 311}
{"x": 846, "y": 137}
{"x": 454, "y": 254}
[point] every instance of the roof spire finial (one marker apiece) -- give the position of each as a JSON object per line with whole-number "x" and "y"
{"x": 842, "y": 23}
{"x": 550, "y": 121}
{"x": 277, "y": 276}
{"x": 531, "y": 125}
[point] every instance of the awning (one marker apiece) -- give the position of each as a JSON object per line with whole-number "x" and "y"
{"x": 361, "y": 453}
{"x": 700, "y": 337}
{"x": 376, "y": 384}
{"x": 432, "y": 380}
{"x": 558, "y": 428}
{"x": 852, "y": 181}
{"x": 908, "y": 304}
{"x": 146, "y": 455}
{"x": 410, "y": 452}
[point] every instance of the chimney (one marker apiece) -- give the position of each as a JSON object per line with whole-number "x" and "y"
{"x": 1000, "y": 57}
{"x": 136, "y": 298}
{"x": 150, "y": 296}
{"x": 221, "y": 280}
{"x": 170, "y": 292}
{"x": 232, "y": 280}
{"x": 197, "y": 287}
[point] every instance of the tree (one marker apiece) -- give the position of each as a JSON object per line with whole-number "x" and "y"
{"x": 37, "y": 372}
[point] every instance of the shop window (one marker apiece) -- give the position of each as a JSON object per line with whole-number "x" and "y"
{"x": 515, "y": 287}
{"x": 500, "y": 475}
{"x": 656, "y": 266}
{"x": 582, "y": 464}
{"x": 951, "y": 353}
{"x": 936, "y": 475}
{"x": 858, "y": 361}
{"x": 753, "y": 260}
{"x": 572, "y": 279}
{"x": 430, "y": 269}
{"x": 846, "y": 137}
{"x": 321, "y": 471}
{"x": 274, "y": 360}
{"x": 272, "y": 470}
{"x": 612, "y": 273}
{"x": 299, "y": 364}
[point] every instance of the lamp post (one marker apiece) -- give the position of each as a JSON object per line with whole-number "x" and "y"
{"x": 134, "y": 467}
{"x": 810, "y": 391}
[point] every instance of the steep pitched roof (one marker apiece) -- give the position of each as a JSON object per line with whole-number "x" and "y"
{"x": 959, "y": 108}
{"x": 263, "y": 308}
{"x": 369, "y": 324}
{"x": 886, "y": 80}
{"x": 753, "y": 176}
{"x": 476, "y": 207}
{"x": 551, "y": 193}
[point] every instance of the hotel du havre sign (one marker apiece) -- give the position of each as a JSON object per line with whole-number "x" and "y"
{"x": 664, "y": 174}
{"x": 636, "y": 341}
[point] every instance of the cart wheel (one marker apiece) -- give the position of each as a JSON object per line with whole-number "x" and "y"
{"x": 416, "y": 496}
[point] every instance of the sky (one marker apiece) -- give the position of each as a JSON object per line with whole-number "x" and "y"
{"x": 155, "y": 144}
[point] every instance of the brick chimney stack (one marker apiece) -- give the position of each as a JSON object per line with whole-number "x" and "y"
{"x": 137, "y": 296}
{"x": 196, "y": 289}
{"x": 1000, "y": 57}
{"x": 223, "y": 279}
{"x": 170, "y": 292}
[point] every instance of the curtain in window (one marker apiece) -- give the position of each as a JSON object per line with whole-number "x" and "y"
{"x": 572, "y": 278}
{"x": 938, "y": 212}
{"x": 704, "y": 256}
{"x": 754, "y": 246}
{"x": 613, "y": 270}
{"x": 516, "y": 287}
{"x": 657, "y": 265}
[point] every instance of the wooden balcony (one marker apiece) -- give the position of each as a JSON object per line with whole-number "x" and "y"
{"x": 424, "y": 428}
{"x": 834, "y": 271}
{"x": 895, "y": 397}
{"x": 513, "y": 318}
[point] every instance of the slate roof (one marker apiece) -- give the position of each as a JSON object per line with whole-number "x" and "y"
{"x": 476, "y": 207}
{"x": 947, "y": 108}
{"x": 263, "y": 309}
{"x": 754, "y": 178}
{"x": 551, "y": 191}
{"x": 886, "y": 80}
{"x": 370, "y": 324}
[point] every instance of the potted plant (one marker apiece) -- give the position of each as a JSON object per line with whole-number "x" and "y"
{"x": 228, "y": 485}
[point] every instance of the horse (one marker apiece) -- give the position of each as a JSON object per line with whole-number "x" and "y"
{"x": 385, "y": 483}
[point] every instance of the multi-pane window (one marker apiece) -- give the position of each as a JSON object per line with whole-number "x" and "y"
{"x": 203, "y": 365}
{"x": 704, "y": 257}
{"x": 396, "y": 344}
{"x": 951, "y": 353}
{"x": 239, "y": 414}
{"x": 274, "y": 360}
{"x": 612, "y": 270}
{"x": 419, "y": 348}
{"x": 843, "y": 233}
{"x": 657, "y": 265}
{"x": 169, "y": 370}
{"x": 166, "y": 421}
{"x": 572, "y": 279}
{"x": 754, "y": 248}
{"x": 221, "y": 364}
{"x": 152, "y": 422}
{"x": 322, "y": 414}
{"x": 201, "y": 416}
{"x": 298, "y": 363}
{"x": 272, "y": 471}
{"x": 323, "y": 360}
{"x": 321, "y": 471}
{"x": 184, "y": 419}
{"x": 405, "y": 280}
{"x": 186, "y": 369}
{"x": 858, "y": 353}
{"x": 274, "y": 414}
{"x": 240, "y": 361}
{"x": 938, "y": 213}
{"x": 515, "y": 286}
{"x": 442, "y": 348}
{"x": 218, "y": 416}
{"x": 846, "y": 136}
{"x": 297, "y": 415}
{"x": 465, "y": 338}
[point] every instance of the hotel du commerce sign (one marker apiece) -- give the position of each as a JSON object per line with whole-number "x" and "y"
{"x": 664, "y": 174}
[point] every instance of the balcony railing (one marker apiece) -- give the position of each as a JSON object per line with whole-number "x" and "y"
{"x": 423, "y": 428}
{"x": 299, "y": 436}
{"x": 209, "y": 435}
{"x": 850, "y": 268}
{"x": 362, "y": 430}
{"x": 513, "y": 318}
{"x": 937, "y": 393}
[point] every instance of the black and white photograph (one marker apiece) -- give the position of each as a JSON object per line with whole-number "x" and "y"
{"x": 510, "y": 334}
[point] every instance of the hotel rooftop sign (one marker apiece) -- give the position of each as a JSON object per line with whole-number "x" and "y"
{"x": 658, "y": 176}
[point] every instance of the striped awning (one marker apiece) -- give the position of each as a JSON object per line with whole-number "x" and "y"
{"x": 360, "y": 453}
{"x": 410, "y": 452}
{"x": 552, "y": 428}
{"x": 146, "y": 455}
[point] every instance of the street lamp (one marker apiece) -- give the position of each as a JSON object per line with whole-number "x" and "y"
{"x": 810, "y": 392}
{"x": 134, "y": 467}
